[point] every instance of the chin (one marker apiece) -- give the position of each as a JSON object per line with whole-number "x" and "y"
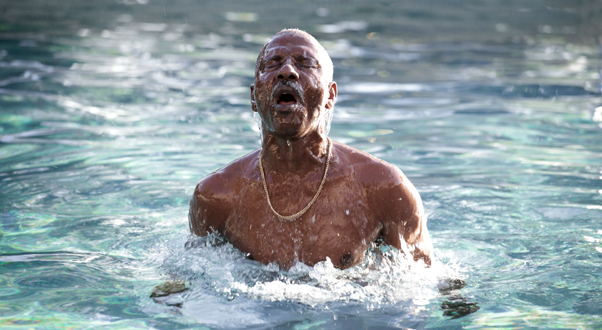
{"x": 288, "y": 125}
{"x": 288, "y": 132}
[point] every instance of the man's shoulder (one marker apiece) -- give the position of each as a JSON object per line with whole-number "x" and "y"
{"x": 368, "y": 167}
{"x": 225, "y": 179}
{"x": 214, "y": 196}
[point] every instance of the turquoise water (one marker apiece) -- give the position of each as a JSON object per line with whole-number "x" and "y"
{"x": 111, "y": 112}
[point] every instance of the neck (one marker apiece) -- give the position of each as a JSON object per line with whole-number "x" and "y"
{"x": 294, "y": 156}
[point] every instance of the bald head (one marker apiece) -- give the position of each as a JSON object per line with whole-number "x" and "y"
{"x": 324, "y": 59}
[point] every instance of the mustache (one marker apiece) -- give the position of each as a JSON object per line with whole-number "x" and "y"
{"x": 293, "y": 85}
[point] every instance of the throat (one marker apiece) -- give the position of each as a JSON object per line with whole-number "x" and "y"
{"x": 283, "y": 190}
{"x": 289, "y": 156}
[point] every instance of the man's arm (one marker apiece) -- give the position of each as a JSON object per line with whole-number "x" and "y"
{"x": 404, "y": 222}
{"x": 208, "y": 207}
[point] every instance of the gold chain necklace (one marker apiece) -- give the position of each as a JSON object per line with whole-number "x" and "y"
{"x": 300, "y": 213}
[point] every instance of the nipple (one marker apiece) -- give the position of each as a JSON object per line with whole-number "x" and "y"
{"x": 347, "y": 260}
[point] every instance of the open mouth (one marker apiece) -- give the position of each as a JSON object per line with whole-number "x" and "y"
{"x": 286, "y": 99}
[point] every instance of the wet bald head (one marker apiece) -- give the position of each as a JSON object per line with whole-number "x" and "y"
{"x": 325, "y": 60}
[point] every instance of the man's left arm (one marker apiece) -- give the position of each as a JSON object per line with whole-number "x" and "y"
{"x": 403, "y": 219}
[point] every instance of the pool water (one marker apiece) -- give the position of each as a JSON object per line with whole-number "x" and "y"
{"x": 111, "y": 112}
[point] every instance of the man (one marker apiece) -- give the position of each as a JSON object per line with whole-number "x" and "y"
{"x": 303, "y": 197}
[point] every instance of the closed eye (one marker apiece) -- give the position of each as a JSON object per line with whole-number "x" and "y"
{"x": 307, "y": 62}
{"x": 272, "y": 62}
{"x": 271, "y": 65}
{"x": 307, "y": 65}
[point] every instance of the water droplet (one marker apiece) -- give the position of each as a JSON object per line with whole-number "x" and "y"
{"x": 347, "y": 212}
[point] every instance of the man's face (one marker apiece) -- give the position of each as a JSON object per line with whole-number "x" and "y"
{"x": 290, "y": 93}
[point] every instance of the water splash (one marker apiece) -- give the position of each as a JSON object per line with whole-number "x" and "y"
{"x": 329, "y": 114}
{"x": 384, "y": 277}
{"x": 259, "y": 123}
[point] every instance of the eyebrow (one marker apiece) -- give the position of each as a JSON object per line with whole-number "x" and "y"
{"x": 275, "y": 57}
{"x": 278, "y": 57}
{"x": 301, "y": 57}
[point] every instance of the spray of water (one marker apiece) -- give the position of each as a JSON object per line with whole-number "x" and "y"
{"x": 385, "y": 276}
{"x": 259, "y": 123}
{"x": 329, "y": 114}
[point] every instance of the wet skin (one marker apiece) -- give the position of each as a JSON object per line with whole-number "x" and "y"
{"x": 363, "y": 198}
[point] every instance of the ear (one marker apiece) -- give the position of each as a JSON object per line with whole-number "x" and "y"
{"x": 253, "y": 103}
{"x": 332, "y": 95}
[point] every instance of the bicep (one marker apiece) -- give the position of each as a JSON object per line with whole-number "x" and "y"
{"x": 204, "y": 217}
{"x": 404, "y": 226}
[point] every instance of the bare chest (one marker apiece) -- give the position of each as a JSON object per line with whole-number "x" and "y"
{"x": 340, "y": 225}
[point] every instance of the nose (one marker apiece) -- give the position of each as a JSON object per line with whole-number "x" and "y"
{"x": 288, "y": 72}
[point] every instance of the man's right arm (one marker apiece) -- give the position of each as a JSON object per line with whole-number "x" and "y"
{"x": 208, "y": 207}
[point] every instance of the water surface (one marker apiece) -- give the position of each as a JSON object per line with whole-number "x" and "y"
{"x": 111, "y": 112}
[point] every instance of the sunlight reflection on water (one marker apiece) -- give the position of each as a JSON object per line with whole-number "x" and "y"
{"x": 111, "y": 114}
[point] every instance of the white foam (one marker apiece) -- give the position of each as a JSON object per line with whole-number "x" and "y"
{"x": 385, "y": 276}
